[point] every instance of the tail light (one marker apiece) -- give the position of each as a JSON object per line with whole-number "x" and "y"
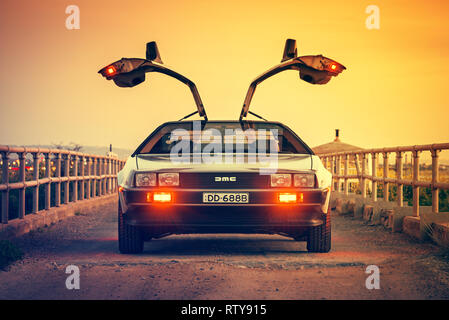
{"x": 111, "y": 70}
{"x": 162, "y": 197}
{"x": 168, "y": 179}
{"x": 290, "y": 197}
{"x": 287, "y": 197}
{"x": 146, "y": 179}
{"x": 304, "y": 180}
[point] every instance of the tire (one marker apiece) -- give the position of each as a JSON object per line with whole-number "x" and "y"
{"x": 130, "y": 238}
{"x": 319, "y": 238}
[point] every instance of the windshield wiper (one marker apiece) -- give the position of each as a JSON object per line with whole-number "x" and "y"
{"x": 256, "y": 115}
{"x": 189, "y": 115}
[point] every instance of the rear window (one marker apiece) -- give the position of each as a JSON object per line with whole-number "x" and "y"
{"x": 235, "y": 137}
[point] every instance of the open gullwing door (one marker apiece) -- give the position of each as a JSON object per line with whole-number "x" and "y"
{"x": 129, "y": 72}
{"x": 312, "y": 69}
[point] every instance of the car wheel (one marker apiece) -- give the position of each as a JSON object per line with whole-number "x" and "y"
{"x": 319, "y": 238}
{"x": 130, "y": 238}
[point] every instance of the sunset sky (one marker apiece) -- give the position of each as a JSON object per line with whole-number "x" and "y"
{"x": 394, "y": 92}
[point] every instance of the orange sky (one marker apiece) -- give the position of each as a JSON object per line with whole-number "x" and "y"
{"x": 394, "y": 91}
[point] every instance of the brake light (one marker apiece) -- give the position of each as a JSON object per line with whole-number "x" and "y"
{"x": 290, "y": 197}
{"x": 111, "y": 70}
{"x": 287, "y": 197}
{"x": 162, "y": 197}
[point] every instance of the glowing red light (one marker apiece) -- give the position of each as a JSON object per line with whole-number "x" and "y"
{"x": 162, "y": 197}
{"x": 287, "y": 197}
{"x": 111, "y": 70}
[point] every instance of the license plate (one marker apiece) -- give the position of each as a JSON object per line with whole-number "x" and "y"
{"x": 225, "y": 197}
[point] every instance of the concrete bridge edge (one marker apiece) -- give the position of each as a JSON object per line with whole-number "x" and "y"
{"x": 393, "y": 217}
{"x": 44, "y": 218}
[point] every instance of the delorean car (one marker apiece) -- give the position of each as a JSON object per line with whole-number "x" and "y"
{"x": 208, "y": 176}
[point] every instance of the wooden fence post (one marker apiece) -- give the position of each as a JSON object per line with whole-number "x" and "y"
{"x": 48, "y": 185}
{"x": 36, "y": 178}
{"x": 374, "y": 175}
{"x": 386, "y": 190}
{"x": 75, "y": 182}
{"x": 364, "y": 175}
{"x": 400, "y": 186}
{"x": 67, "y": 175}
{"x": 89, "y": 174}
{"x": 58, "y": 183}
{"x": 22, "y": 189}
{"x": 94, "y": 173}
{"x": 435, "y": 177}
{"x": 82, "y": 194}
{"x": 346, "y": 182}
{"x": 5, "y": 193}
{"x": 415, "y": 180}
{"x": 338, "y": 172}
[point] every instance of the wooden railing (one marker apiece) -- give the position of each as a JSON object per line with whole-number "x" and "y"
{"x": 359, "y": 159}
{"x": 81, "y": 176}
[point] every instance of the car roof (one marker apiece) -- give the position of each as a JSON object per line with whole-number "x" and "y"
{"x": 224, "y": 121}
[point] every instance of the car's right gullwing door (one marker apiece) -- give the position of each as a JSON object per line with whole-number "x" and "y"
{"x": 312, "y": 69}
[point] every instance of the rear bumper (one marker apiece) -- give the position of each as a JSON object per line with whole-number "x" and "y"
{"x": 188, "y": 213}
{"x": 223, "y": 216}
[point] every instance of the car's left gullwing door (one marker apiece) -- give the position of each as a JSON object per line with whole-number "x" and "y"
{"x": 129, "y": 72}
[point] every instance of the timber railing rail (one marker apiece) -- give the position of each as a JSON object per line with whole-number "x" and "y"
{"x": 380, "y": 172}
{"x": 81, "y": 176}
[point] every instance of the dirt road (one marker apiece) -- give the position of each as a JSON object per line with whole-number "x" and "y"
{"x": 222, "y": 266}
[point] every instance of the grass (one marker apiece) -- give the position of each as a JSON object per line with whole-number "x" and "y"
{"x": 8, "y": 253}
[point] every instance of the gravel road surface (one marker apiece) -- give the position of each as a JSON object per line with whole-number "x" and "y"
{"x": 222, "y": 266}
